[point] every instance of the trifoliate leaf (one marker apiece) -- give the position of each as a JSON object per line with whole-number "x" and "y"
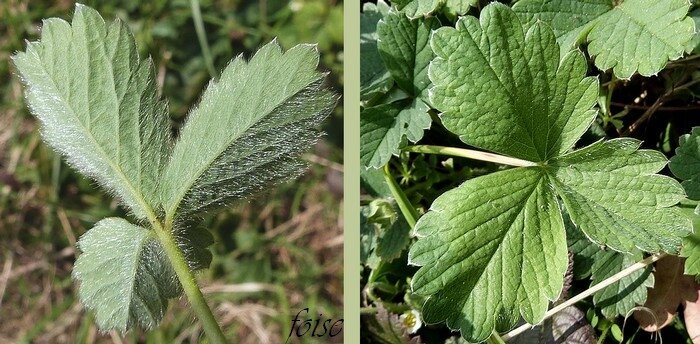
{"x": 505, "y": 91}
{"x": 660, "y": 28}
{"x": 383, "y": 127}
{"x": 258, "y": 118}
{"x": 98, "y": 106}
{"x": 494, "y": 248}
{"x": 374, "y": 77}
{"x": 625, "y": 294}
{"x": 124, "y": 275}
{"x": 404, "y": 48}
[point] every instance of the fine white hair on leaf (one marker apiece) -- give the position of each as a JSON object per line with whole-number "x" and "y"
{"x": 257, "y": 120}
{"x": 98, "y": 107}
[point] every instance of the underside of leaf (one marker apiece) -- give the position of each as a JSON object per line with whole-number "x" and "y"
{"x": 124, "y": 275}
{"x": 257, "y": 120}
{"x": 98, "y": 105}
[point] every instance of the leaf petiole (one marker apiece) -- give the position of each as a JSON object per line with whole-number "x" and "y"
{"x": 189, "y": 285}
{"x": 407, "y": 209}
{"x": 469, "y": 154}
{"x": 590, "y": 291}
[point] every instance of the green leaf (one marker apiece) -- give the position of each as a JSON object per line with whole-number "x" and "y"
{"x": 403, "y": 46}
{"x": 622, "y": 296}
{"x": 417, "y": 8}
{"x": 660, "y": 28}
{"x": 612, "y": 193}
{"x": 506, "y": 91}
{"x": 98, "y": 106}
{"x": 124, "y": 275}
{"x": 459, "y": 7}
{"x": 383, "y": 127}
{"x": 691, "y": 243}
{"x": 686, "y": 163}
{"x": 584, "y": 250}
{"x": 393, "y": 239}
{"x": 494, "y": 248}
{"x": 423, "y": 8}
{"x": 374, "y": 77}
{"x": 258, "y": 118}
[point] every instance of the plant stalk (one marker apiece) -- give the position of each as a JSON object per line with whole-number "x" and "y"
{"x": 590, "y": 291}
{"x": 495, "y": 338}
{"x": 407, "y": 209}
{"x": 202, "y": 37}
{"x": 469, "y": 154}
{"x": 189, "y": 285}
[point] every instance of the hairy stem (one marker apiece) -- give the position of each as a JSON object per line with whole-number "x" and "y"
{"x": 590, "y": 291}
{"x": 189, "y": 285}
{"x": 470, "y": 154}
{"x": 202, "y": 37}
{"x": 407, "y": 209}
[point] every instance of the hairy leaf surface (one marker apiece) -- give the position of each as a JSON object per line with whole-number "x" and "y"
{"x": 97, "y": 103}
{"x": 494, "y": 248}
{"x": 124, "y": 275}
{"x": 634, "y": 36}
{"x": 258, "y": 118}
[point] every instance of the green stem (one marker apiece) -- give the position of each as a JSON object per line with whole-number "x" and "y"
{"x": 470, "y": 154}
{"x": 202, "y": 37}
{"x": 408, "y": 211}
{"x": 590, "y": 291}
{"x": 495, "y": 338}
{"x": 189, "y": 285}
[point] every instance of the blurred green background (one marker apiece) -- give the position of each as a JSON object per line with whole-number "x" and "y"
{"x": 274, "y": 255}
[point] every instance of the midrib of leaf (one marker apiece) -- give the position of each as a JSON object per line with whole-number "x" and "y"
{"x": 507, "y": 91}
{"x": 138, "y": 197}
{"x": 505, "y": 234}
{"x": 170, "y": 214}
